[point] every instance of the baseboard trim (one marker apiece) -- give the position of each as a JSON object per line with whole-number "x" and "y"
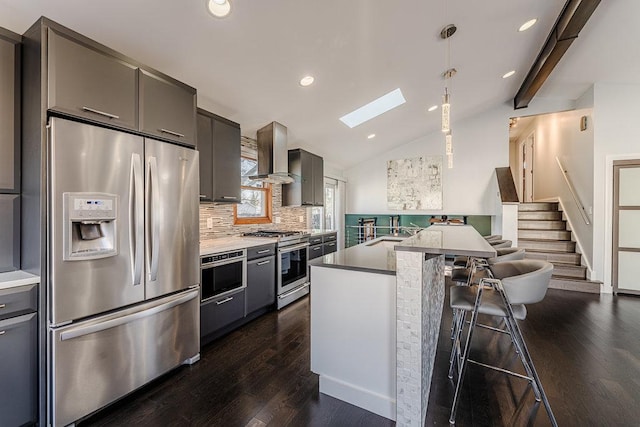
{"x": 374, "y": 402}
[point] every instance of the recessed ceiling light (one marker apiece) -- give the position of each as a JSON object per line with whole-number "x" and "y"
{"x": 374, "y": 108}
{"x": 371, "y": 136}
{"x": 432, "y": 108}
{"x": 306, "y": 80}
{"x": 509, "y": 74}
{"x": 219, "y": 8}
{"x": 530, "y": 23}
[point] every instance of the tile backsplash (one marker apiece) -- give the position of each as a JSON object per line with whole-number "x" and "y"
{"x": 222, "y": 216}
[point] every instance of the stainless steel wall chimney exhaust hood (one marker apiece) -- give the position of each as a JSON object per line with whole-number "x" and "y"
{"x": 273, "y": 158}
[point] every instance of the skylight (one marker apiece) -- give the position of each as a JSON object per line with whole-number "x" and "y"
{"x": 374, "y": 108}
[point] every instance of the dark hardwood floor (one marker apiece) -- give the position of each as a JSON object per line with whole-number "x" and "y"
{"x": 586, "y": 349}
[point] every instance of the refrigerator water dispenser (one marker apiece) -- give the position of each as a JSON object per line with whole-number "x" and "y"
{"x": 90, "y": 222}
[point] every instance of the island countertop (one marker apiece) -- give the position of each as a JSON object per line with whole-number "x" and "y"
{"x": 448, "y": 240}
{"x": 374, "y": 256}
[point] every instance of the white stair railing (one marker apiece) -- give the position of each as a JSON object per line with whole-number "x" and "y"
{"x": 572, "y": 190}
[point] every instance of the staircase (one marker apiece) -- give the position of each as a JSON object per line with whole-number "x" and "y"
{"x": 545, "y": 235}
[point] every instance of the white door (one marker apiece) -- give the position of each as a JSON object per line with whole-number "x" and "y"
{"x": 626, "y": 226}
{"x": 526, "y": 162}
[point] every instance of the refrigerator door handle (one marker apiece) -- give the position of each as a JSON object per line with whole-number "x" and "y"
{"x": 153, "y": 206}
{"x": 112, "y": 323}
{"x": 136, "y": 209}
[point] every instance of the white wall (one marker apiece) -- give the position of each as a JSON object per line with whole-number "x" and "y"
{"x": 615, "y": 114}
{"x": 559, "y": 135}
{"x": 480, "y": 144}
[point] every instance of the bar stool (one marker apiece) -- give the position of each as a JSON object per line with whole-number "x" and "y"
{"x": 463, "y": 275}
{"x": 500, "y": 243}
{"x": 515, "y": 284}
{"x": 463, "y": 261}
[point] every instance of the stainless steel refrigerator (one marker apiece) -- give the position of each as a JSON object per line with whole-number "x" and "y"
{"x": 123, "y": 264}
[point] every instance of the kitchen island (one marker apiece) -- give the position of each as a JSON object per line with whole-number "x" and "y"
{"x": 353, "y": 333}
{"x": 375, "y": 318}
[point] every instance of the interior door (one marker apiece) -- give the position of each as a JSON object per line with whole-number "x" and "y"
{"x": 527, "y": 169}
{"x": 626, "y": 226}
{"x": 91, "y": 159}
{"x": 172, "y": 231}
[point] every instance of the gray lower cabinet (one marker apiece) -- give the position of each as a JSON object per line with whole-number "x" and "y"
{"x": 167, "y": 108}
{"x": 9, "y": 232}
{"x": 315, "y": 251}
{"x": 217, "y": 313}
{"x": 329, "y": 247}
{"x": 330, "y": 243}
{"x": 10, "y": 108}
{"x": 87, "y": 82}
{"x": 219, "y": 145}
{"x": 261, "y": 283}
{"x": 18, "y": 370}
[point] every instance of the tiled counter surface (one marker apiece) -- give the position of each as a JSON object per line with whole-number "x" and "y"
{"x": 225, "y": 244}
{"x": 12, "y": 279}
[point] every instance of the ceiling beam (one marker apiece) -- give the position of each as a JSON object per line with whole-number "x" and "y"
{"x": 571, "y": 20}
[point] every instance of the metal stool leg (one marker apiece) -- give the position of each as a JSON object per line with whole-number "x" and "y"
{"x": 465, "y": 356}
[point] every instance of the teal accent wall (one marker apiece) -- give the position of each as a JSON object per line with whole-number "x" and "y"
{"x": 482, "y": 223}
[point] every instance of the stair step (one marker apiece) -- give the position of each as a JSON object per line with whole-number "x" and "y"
{"x": 567, "y": 258}
{"x": 528, "y": 224}
{"x": 540, "y": 215}
{"x": 577, "y": 285}
{"x": 544, "y": 234}
{"x": 547, "y": 245}
{"x": 568, "y": 270}
{"x": 538, "y": 206}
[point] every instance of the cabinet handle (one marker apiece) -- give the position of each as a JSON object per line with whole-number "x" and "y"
{"x": 203, "y": 196}
{"x": 170, "y": 132}
{"x": 227, "y": 299}
{"x": 331, "y": 244}
{"x": 264, "y": 251}
{"x": 3, "y": 305}
{"x": 3, "y": 332}
{"x": 229, "y": 197}
{"x": 101, "y": 113}
{"x": 263, "y": 262}
{"x": 316, "y": 249}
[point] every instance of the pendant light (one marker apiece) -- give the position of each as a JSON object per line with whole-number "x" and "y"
{"x": 446, "y": 34}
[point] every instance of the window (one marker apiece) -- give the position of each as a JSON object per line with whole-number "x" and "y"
{"x": 329, "y": 206}
{"x": 255, "y": 206}
{"x": 324, "y": 218}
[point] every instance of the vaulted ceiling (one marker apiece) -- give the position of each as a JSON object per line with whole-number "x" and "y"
{"x": 246, "y": 67}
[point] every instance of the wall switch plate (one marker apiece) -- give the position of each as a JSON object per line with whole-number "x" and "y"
{"x": 209, "y": 223}
{"x": 278, "y": 220}
{"x": 301, "y": 218}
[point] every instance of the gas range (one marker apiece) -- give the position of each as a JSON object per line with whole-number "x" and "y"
{"x": 285, "y": 237}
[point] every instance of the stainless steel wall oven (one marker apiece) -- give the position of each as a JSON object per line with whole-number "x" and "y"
{"x": 222, "y": 273}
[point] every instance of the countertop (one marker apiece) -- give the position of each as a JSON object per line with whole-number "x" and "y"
{"x": 13, "y": 279}
{"x": 321, "y": 232}
{"x": 224, "y": 244}
{"x": 374, "y": 256}
{"x": 449, "y": 240}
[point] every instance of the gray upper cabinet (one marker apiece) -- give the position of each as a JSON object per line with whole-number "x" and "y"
{"x": 219, "y": 146}
{"x": 205, "y": 147}
{"x": 309, "y": 191}
{"x": 318, "y": 181}
{"x": 10, "y": 108}
{"x": 167, "y": 108}
{"x": 91, "y": 84}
